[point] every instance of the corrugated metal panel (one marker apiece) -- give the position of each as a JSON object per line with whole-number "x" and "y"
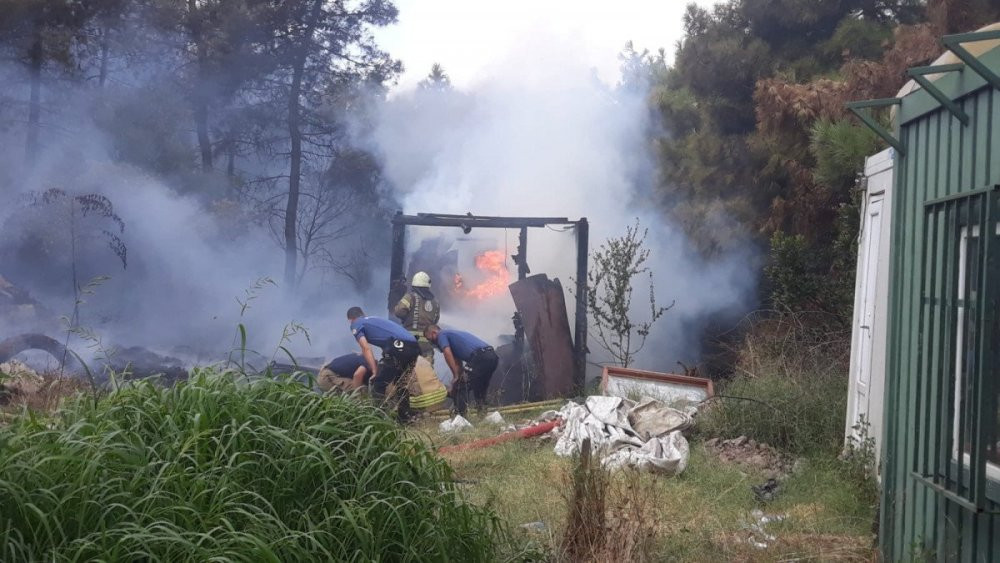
{"x": 944, "y": 158}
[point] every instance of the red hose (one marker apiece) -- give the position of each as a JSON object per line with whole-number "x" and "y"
{"x": 536, "y": 430}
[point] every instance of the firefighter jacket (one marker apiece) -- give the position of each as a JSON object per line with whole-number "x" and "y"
{"x": 418, "y": 309}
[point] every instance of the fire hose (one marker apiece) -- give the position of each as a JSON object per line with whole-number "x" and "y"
{"x": 529, "y": 432}
{"x": 511, "y": 409}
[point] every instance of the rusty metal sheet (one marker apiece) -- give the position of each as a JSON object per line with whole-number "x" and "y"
{"x": 542, "y": 305}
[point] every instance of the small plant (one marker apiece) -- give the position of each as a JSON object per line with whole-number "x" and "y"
{"x": 615, "y": 265}
{"x": 860, "y": 461}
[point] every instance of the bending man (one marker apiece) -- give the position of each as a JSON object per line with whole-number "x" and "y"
{"x": 480, "y": 361}
{"x": 399, "y": 353}
{"x": 346, "y": 373}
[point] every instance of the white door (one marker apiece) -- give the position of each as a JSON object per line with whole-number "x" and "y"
{"x": 866, "y": 319}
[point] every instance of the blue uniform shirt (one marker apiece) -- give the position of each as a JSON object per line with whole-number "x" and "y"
{"x": 379, "y": 332}
{"x": 462, "y": 343}
{"x": 346, "y": 365}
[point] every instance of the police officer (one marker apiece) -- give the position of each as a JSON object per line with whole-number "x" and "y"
{"x": 346, "y": 373}
{"x": 419, "y": 309}
{"x": 479, "y": 359}
{"x": 399, "y": 354}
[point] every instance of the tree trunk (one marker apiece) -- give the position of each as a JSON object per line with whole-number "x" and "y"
{"x": 300, "y": 54}
{"x": 105, "y": 54}
{"x": 35, "y": 56}
{"x": 198, "y": 95}
{"x": 201, "y": 122}
{"x": 294, "y": 174}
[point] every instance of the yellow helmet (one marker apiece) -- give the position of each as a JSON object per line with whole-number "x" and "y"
{"x": 421, "y": 279}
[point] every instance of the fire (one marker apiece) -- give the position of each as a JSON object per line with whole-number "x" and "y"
{"x": 493, "y": 264}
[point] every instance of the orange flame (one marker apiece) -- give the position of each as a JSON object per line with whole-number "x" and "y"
{"x": 493, "y": 263}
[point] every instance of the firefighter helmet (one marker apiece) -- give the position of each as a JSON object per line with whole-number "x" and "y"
{"x": 421, "y": 279}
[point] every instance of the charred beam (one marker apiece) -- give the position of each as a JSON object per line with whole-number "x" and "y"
{"x": 522, "y": 254}
{"x": 397, "y": 278}
{"x": 470, "y": 221}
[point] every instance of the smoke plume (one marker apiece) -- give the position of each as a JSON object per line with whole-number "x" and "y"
{"x": 542, "y": 136}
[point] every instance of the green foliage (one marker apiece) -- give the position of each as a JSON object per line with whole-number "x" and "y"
{"x": 794, "y": 272}
{"x": 857, "y": 38}
{"x": 790, "y": 387}
{"x": 861, "y": 460}
{"x": 222, "y": 468}
{"x": 797, "y": 413}
{"x": 610, "y": 281}
{"x": 840, "y": 148}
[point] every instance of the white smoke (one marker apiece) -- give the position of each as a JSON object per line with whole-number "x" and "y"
{"x": 542, "y": 136}
{"x": 188, "y": 268}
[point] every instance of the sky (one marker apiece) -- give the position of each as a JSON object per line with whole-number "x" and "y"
{"x": 468, "y": 36}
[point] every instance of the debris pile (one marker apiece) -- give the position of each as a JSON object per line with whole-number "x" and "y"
{"x": 17, "y": 379}
{"x": 644, "y": 435}
{"x": 751, "y": 455}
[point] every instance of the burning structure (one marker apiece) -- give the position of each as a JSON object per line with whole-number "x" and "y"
{"x": 543, "y": 359}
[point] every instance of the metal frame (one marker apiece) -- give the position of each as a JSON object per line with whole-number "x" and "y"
{"x": 857, "y": 107}
{"x": 469, "y": 221}
{"x": 955, "y": 413}
{"x": 919, "y": 74}
{"x": 954, "y": 44}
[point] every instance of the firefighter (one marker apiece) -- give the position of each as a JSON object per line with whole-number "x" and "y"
{"x": 472, "y": 364}
{"x": 399, "y": 354}
{"x": 345, "y": 373}
{"x": 419, "y": 309}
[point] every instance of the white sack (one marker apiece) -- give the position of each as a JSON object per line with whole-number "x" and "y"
{"x": 455, "y": 424}
{"x": 667, "y": 455}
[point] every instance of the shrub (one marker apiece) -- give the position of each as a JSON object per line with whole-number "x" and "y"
{"x": 790, "y": 390}
{"x": 218, "y": 468}
{"x": 800, "y": 415}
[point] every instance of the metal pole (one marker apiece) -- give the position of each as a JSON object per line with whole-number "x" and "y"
{"x": 396, "y": 264}
{"x": 580, "y": 334}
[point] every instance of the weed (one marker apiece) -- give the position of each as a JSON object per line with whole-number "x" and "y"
{"x": 585, "y": 533}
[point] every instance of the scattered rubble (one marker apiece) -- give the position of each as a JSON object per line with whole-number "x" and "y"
{"x": 766, "y": 491}
{"x": 751, "y": 455}
{"x": 758, "y": 535}
{"x": 137, "y": 362}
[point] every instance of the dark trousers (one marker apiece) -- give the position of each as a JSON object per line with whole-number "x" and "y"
{"x": 398, "y": 358}
{"x": 478, "y": 371}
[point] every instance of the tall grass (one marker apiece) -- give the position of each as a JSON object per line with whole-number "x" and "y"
{"x": 221, "y": 469}
{"x": 789, "y": 389}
